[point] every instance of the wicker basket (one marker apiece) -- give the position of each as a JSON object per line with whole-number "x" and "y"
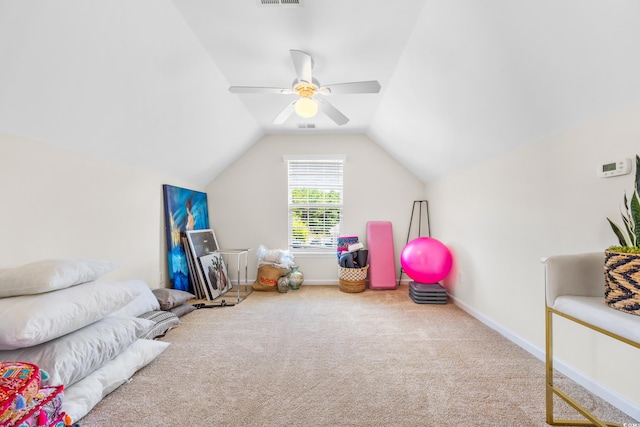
{"x": 622, "y": 279}
{"x": 353, "y": 280}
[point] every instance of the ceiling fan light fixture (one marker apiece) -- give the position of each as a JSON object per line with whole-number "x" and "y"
{"x": 307, "y": 87}
{"x": 306, "y": 107}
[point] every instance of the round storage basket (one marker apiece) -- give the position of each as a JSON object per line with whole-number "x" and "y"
{"x": 353, "y": 280}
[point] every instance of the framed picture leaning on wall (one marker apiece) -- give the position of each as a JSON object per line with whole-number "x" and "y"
{"x": 201, "y": 244}
{"x": 215, "y": 274}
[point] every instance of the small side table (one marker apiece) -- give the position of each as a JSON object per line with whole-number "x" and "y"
{"x": 238, "y": 253}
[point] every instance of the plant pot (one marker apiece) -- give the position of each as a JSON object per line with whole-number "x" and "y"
{"x": 622, "y": 281}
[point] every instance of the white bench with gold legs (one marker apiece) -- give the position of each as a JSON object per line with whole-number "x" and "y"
{"x": 574, "y": 288}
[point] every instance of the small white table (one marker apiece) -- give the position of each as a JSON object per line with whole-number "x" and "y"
{"x": 238, "y": 253}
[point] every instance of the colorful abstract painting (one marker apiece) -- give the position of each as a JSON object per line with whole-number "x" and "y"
{"x": 183, "y": 210}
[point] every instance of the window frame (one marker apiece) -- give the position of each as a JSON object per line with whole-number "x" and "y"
{"x": 330, "y": 247}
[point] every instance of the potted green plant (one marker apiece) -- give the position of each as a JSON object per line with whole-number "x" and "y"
{"x": 622, "y": 263}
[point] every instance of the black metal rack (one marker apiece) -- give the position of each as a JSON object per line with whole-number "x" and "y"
{"x": 421, "y": 217}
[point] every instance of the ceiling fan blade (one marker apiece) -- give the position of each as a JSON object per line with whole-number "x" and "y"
{"x": 371, "y": 86}
{"x": 285, "y": 114}
{"x": 332, "y": 112}
{"x": 254, "y": 89}
{"x": 303, "y": 64}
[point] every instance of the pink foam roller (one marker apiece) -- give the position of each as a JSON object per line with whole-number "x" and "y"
{"x": 382, "y": 261}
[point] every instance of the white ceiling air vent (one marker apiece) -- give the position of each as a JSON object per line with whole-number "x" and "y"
{"x": 280, "y": 2}
{"x": 306, "y": 125}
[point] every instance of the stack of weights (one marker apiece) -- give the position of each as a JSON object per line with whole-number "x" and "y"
{"x": 427, "y": 293}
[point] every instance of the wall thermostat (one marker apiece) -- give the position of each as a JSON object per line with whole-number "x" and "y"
{"x": 621, "y": 167}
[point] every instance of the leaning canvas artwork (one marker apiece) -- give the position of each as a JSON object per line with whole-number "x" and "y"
{"x": 184, "y": 210}
{"x": 200, "y": 244}
{"x": 215, "y": 274}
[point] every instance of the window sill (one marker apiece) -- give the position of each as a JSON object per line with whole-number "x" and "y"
{"x": 315, "y": 254}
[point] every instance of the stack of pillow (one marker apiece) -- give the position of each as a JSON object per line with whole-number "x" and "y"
{"x": 84, "y": 331}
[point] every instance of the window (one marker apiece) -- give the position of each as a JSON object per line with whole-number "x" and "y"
{"x": 315, "y": 202}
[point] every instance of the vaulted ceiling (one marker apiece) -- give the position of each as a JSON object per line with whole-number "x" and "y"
{"x": 146, "y": 82}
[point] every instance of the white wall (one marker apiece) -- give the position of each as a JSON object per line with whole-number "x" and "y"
{"x": 502, "y": 216}
{"x": 248, "y": 202}
{"x": 59, "y": 203}
{"x": 499, "y": 218}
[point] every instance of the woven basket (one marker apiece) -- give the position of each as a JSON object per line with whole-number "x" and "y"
{"x": 622, "y": 281}
{"x": 353, "y": 280}
{"x": 353, "y": 287}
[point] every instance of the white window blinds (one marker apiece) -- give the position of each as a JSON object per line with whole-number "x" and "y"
{"x": 315, "y": 203}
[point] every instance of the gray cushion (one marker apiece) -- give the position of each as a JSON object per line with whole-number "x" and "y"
{"x": 163, "y": 321}
{"x": 169, "y": 298}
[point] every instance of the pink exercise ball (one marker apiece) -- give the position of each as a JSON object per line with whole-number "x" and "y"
{"x": 426, "y": 260}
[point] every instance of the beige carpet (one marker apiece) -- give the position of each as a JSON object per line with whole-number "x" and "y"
{"x": 320, "y": 357}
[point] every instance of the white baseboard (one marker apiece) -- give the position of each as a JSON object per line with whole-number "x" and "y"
{"x": 516, "y": 339}
{"x": 615, "y": 399}
{"x": 306, "y": 282}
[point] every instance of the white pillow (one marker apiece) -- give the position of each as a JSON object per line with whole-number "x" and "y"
{"x": 81, "y": 397}
{"x": 71, "y": 357}
{"x": 30, "y": 320}
{"x": 143, "y": 303}
{"x": 50, "y": 275}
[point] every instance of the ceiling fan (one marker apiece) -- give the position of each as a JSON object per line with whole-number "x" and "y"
{"x": 307, "y": 87}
